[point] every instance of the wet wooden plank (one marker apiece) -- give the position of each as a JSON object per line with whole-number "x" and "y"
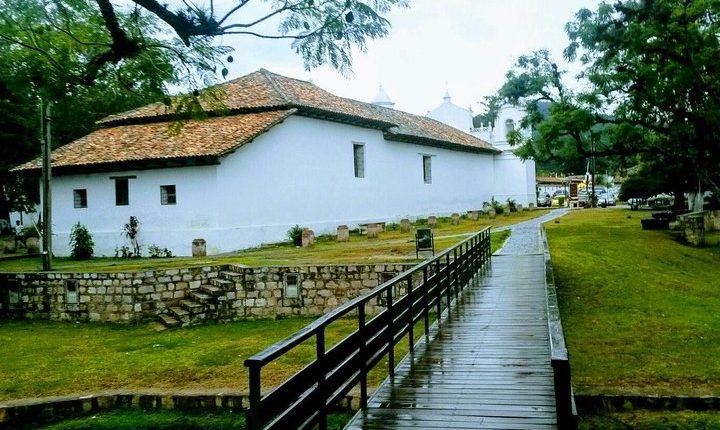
{"x": 486, "y": 366}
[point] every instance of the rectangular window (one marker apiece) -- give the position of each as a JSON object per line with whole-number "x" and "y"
{"x": 427, "y": 169}
{"x": 359, "y": 159}
{"x": 13, "y": 293}
{"x": 72, "y": 296}
{"x": 167, "y": 195}
{"x": 122, "y": 195}
{"x": 80, "y": 198}
{"x": 291, "y": 288}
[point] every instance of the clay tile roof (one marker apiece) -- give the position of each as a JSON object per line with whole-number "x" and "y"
{"x": 263, "y": 90}
{"x": 162, "y": 140}
{"x": 239, "y": 110}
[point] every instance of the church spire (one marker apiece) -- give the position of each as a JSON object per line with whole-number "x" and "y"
{"x": 382, "y": 99}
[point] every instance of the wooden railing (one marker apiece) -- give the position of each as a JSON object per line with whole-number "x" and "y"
{"x": 559, "y": 360}
{"x": 302, "y": 401}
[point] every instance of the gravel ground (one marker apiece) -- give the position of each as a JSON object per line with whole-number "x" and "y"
{"x": 524, "y": 237}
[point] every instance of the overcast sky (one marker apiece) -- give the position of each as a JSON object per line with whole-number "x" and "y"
{"x": 464, "y": 46}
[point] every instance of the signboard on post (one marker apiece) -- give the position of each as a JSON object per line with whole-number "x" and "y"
{"x": 424, "y": 241}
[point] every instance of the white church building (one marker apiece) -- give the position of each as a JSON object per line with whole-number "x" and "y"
{"x": 273, "y": 152}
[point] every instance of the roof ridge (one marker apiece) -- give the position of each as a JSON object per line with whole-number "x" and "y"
{"x": 271, "y": 79}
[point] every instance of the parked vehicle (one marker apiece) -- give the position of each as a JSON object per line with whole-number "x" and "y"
{"x": 544, "y": 202}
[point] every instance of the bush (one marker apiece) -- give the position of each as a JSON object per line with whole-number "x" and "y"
{"x": 81, "y": 242}
{"x": 131, "y": 230}
{"x": 561, "y": 200}
{"x": 295, "y": 234}
{"x": 156, "y": 252}
{"x": 512, "y": 205}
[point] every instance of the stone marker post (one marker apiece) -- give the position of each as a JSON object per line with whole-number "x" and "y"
{"x": 343, "y": 233}
{"x": 474, "y": 215}
{"x": 405, "y": 225}
{"x": 455, "y": 218}
{"x": 308, "y": 238}
{"x": 491, "y": 213}
{"x": 432, "y": 221}
{"x": 199, "y": 248}
{"x": 373, "y": 230}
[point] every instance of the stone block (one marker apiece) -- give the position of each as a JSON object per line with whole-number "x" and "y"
{"x": 455, "y": 219}
{"x": 432, "y": 221}
{"x": 519, "y": 207}
{"x": 373, "y": 230}
{"x": 405, "y": 225}
{"x": 199, "y": 248}
{"x": 9, "y": 246}
{"x": 308, "y": 238}
{"x": 474, "y": 215}
{"x": 491, "y": 213}
{"x": 343, "y": 233}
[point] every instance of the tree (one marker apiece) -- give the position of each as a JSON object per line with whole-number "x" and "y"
{"x": 322, "y": 31}
{"x": 656, "y": 62}
{"x": 43, "y": 37}
{"x": 652, "y": 93}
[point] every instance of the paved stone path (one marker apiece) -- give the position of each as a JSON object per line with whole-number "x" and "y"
{"x": 524, "y": 237}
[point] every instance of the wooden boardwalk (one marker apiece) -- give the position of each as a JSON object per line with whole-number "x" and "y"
{"x": 486, "y": 367}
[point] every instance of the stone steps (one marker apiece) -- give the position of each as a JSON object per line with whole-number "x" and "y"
{"x": 223, "y": 284}
{"x": 208, "y": 301}
{"x": 231, "y": 276}
{"x": 169, "y": 321}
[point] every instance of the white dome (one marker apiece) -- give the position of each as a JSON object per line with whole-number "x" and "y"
{"x": 382, "y": 99}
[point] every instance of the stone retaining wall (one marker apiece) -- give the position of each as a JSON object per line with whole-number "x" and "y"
{"x": 248, "y": 292}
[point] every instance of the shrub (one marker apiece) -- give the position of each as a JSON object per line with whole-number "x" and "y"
{"x": 295, "y": 234}
{"x": 81, "y": 242}
{"x": 131, "y": 230}
{"x": 512, "y": 205}
{"x": 156, "y": 252}
{"x": 561, "y": 200}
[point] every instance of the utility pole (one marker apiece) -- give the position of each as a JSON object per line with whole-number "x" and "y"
{"x": 45, "y": 121}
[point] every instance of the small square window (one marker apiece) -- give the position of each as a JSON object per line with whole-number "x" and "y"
{"x": 359, "y": 160}
{"x": 80, "y": 198}
{"x": 167, "y": 195}
{"x": 427, "y": 169}
{"x": 291, "y": 288}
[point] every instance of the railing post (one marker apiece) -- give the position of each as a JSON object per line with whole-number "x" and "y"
{"x": 411, "y": 318}
{"x": 426, "y": 302}
{"x": 438, "y": 289}
{"x": 390, "y": 334}
{"x": 448, "y": 282}
{"x": 363, "y": 355}
{"x": 456, "y": 272}
{"x": 321, "y": 390}
{"x": 253, "y": 413}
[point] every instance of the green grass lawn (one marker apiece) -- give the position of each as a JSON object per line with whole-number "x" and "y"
{"x": 133, "y": 419}
{"x": 391, "y": 246}
{"x": 649, "y": 420}
{"x": 42, "y": 358}
{"x": 639, "y": 309}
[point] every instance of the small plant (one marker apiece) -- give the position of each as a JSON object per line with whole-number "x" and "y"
{"x": 131, "y": 231}
{"x": 295, "y": 234}
{"x": 421, "y": 221}
{"x": 30, "y": 231}
{"x": 393, "y": 226}
{"x": 561, "y": 201}
{"x": 512, "y": 205}
{"x": 123, "y": 252}
{"x": 81, "y": 242}
{"x": 156, "y": 252}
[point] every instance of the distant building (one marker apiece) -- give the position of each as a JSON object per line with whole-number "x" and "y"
{"x": 274, "y": 153}
{"x": 513, "y": 178}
